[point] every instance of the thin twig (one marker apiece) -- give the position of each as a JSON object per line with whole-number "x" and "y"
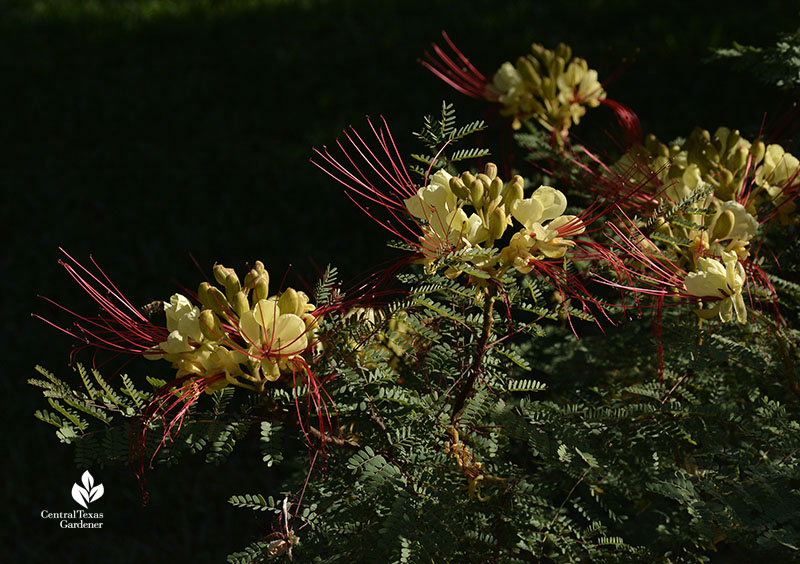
{"x": 480, "y": 352}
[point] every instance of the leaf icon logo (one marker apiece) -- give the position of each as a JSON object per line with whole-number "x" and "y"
{"x": 89, "y": 492}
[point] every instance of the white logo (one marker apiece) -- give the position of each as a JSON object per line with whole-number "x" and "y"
{"x": 89, "y": 492}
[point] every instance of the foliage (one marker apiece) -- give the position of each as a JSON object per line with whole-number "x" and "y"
{"x": 464, "y": 421}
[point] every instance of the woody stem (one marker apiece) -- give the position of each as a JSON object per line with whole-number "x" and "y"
{"x": 480, "y": 352}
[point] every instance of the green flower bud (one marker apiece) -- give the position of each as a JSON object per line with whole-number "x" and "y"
{"x": 240, "y": 303}
{"x": 458, "y": 188}
{"x": 733, "y": 139}
{"x": 494, "y": 204}
{"x": 497, "y": 223}
{"x": 529, "y": 72}
{"x": 758, "y": 149}
{"x": 737, "y": 159}
{"x": 476, "y": 191}
{"x": 211, "y": 326}
{"x": 289, "y": 302}
{"x": 495, "y": 188}
{"x": 513, "y": 191}
{"x": 212, "y": 298}
{"x": 261, "y": 288}
{"x": 221, "y": 273}
{"x": 490, "y": 170}
{"x": 232, "y": 285}
{"x": 724, "y": 225}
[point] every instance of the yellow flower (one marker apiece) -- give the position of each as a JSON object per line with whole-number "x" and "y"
{"x": 722, "y": 280}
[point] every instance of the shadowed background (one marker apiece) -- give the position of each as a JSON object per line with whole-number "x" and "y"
{"x": 145, "y": 133}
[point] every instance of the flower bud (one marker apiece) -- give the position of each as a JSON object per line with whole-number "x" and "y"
{"x": 758, "y": 149}
{"x": 261, "y": 288}
{"x": 733, "y": 139}
{"x": 495, "y": 188}
{"x": 490, "y": 170}
{"x": 724, "y": 225}
{"x": 211, "y": 326}
{"x": 738, "y": 158}
{"x": 494, "y": 204}
{"x": 526, "y": 68}
{"x": 485, "y": 179}
{"x": 232, "y": 285}
{"x": 497, "y": 223}
{"x": 212, "y": 298}
{"x": 476, "y": 191}
{"x": 513, "y": 191}
{"x": 458, "y": 188}
{"x": 240, "y": 303}
{"x": 289, "y": 302}
{"x": 221, "y": 273}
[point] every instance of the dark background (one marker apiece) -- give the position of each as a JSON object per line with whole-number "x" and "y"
{"x": 144, "y": 133}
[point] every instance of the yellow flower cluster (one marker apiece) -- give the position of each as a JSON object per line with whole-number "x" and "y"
{"x": 740, "y": 177}
{"x": 544, "y": 229}
{"x": 242, "y": 333}
{"x": 550, "y": 86}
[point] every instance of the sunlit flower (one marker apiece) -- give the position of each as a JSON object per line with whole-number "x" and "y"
{"x": 723, "y": 280}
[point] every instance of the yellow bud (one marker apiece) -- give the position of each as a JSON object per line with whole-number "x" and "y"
{"x": 738, "y": 158}
{"x": 757, "y": 149}
{"x": 495, "y": 188}
{"x": 724, "y": 225}
{"x": 494, "y": 204}
{"x": 211, "y": 326}
{"x": 289, "y": 302}
{"x": 476, "y": 191}
{"x": 513, "y": 191}
{"x": 497, "y": 223}
{"x": 232, "y": 285}
{"x": 490, "y": 170}
{"x": 525, "y": 66}
{"x": 726, "y": 178}
{"x": 261, "y": 288}
{"x": 240, "y": 303}
{"x": 458, "y": 188}
{"x": 733, "y": 139}
{"x": 468, "y": 178}
{"x": 564, "y": 51}
{"x": 212, "y": 298}
{"x": 203, "y": 295}
{"x": 220, "y": 273}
